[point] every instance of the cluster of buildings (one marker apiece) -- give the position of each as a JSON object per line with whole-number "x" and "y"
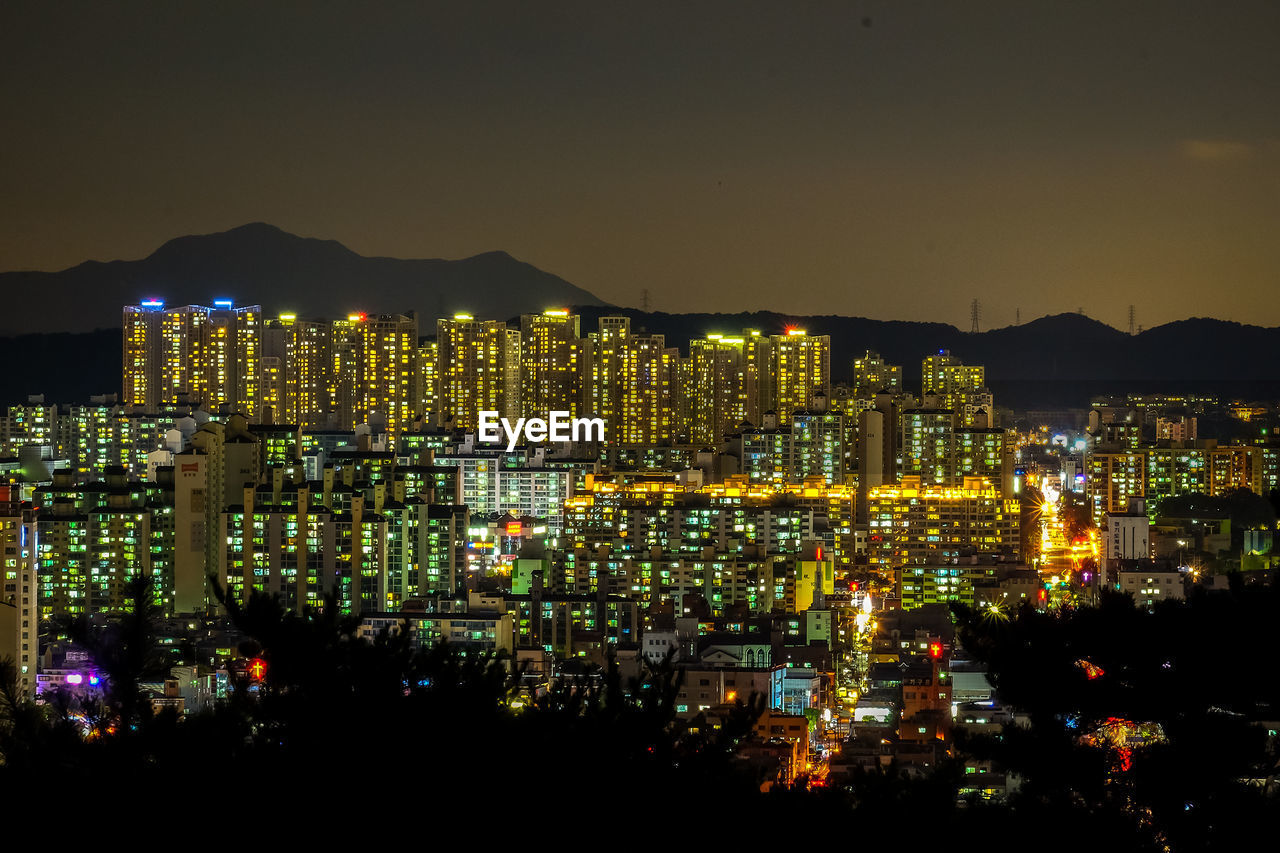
{"x": 376, "y": 369}
{"x": 1151, "y": 447}
{"x": 767, "y": 529}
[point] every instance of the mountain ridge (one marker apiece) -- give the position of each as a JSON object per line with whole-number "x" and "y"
{"x": 259, "y": 263}
{"x": 77, "y": 348}
{"x": 1053, "y": 361}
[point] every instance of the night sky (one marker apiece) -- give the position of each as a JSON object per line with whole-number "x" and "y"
{"x": 891, "y": 160}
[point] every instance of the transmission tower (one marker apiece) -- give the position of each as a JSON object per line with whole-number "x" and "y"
{"x": 975, "y": 314}
{"x": 644, "y": 300}
{"x": 1017, "y": 316}
{"x": 1132, "y": 318}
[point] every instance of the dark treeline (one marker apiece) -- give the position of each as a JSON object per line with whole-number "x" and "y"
{"x": 1202, "y": 680}
{"x": 382, "y": 737}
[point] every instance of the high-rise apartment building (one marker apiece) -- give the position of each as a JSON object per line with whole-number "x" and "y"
{"x": 757, "y": 374}
{"x": 19, "y": 588}
{"x": 936, "y": 447}
{"x": 428, "y": 393}
{"x": 182, "y": 355}
{"x": 916, "y": 522}
{"x": 718, "y": 383}
{"x": 478, "y": 369}
{"x": 346, "y": 368}
{"x": 926, "y": 446}
{"x": 297, "y": 358}
{"x": 958, "y": 387}
{"x": 427, "y": 551}
{"x": 553, "y": 362}
{"x": 800, "y": 371}
{"x": 289, "y": 543}
{"x": 1111, "y": 480}
{"x": 142, "y": 348}
{"x": 388, "y": 386}
{"x": 192, "y": 355}
{"x": 872, "y": 375}
{"x": 233, "y": 348}
{"x": 817, "y": 447}
{"x": 631, "y": 383}
{"x": 337, "y": 375}
{"x": 92, "y": 540}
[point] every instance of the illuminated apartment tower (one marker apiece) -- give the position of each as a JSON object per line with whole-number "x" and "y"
{"x": 757, "y": 374}
{"x": 604, "y": 348}
{"x": 718, "y": 387}
{"x": 873, "y": 375}
{"x": 232, "y": 350}
{"x": 817, "y": 446}
{"x": 428, "y": 381}
{"x": 388, "y": 383}
{"x": 937, "y": 448}
{"x": 552, "y": 362}
{"x": 981, "y": 452}
{"x": 272, "y": 402}
{"x": 142, "y": 336}
{"x": 917, "y": 523}
{"x": 800, "y": 371}
{"x": 1112, "y": 479}
{"x": 19, "y": 589}
{"x": 192, "y": 355}
{"x": 645, "y": 405}
{"x": 631, "y": 383}
{"x": 346, "y": 354}
{"x": 947, "y": 377}
{"x": 297, "y": 358}
{"x": 477, "y": 369}
{"x": 685, "y": 397}
{"x": 181, "y": 357}
{"x": 927, "y": 446}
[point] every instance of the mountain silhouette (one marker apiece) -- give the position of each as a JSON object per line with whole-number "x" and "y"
{"x": 261, "y": 264}
{"x": 1055, "y": 361}
{"x": 1060, "y": 347}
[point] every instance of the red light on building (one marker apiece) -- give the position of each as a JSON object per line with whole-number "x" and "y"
{"x": 258, "y": 668}
{"x": 819, "y": 552}
{"x": 513, "y": 528}
{"x": 935, "y": 650}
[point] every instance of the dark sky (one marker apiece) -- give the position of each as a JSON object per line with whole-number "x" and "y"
{"x": 892, "y": 160}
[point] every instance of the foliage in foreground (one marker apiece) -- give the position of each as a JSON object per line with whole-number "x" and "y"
{"x": 413, "y": 737}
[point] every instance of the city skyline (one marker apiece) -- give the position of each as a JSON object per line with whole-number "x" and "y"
{"x": 91, "y": 291}
{"x": 837, "y": 418}
{"x": 880, "y": 160}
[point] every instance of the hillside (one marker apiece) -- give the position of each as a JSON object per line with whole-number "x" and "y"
{"x": 259, "y": 263}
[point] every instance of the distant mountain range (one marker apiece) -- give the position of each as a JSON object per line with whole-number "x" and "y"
{"x": 1062, "y": 347}
{"x": 260, "y": 264}
{"x": 1054, "y": 361}
{"x": 1057, "y": 361}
